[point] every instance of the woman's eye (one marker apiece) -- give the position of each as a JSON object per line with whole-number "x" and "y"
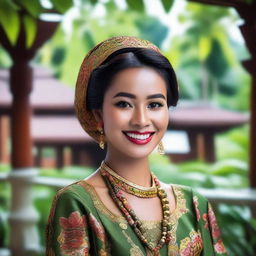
{"x": 155, "y": 105}
{"x": 123, "y": 104}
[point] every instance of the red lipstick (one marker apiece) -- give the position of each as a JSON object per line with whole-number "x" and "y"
{"x": 142, "y": 133}
{"x": 137, "y": 140}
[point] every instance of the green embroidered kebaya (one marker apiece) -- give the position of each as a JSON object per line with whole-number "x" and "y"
{"x": 80, "y": 224}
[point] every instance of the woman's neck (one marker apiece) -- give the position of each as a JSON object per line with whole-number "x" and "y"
{"x": 134, "y": 170}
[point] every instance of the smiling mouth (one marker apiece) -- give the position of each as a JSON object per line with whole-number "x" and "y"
{"x": 139, "y": 138}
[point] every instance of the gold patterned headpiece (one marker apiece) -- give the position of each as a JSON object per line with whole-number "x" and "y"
{"x": 93, "y": 60}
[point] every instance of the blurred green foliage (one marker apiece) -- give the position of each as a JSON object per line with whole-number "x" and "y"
{"x": 205, "y": 58}
{"x": 17, "y": 14}
{"x": 64, "y": 53}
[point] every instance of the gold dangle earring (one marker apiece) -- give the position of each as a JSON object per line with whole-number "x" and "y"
{"x": 160, "y": 148}
{"x": 101, "y": 141}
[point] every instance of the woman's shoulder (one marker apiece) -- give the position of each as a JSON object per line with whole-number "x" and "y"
{"x": 193, "y": 200}
{"x": 79, "y": 191}
{"x": 188, "y": 193}
{"x": 74, "y": 198}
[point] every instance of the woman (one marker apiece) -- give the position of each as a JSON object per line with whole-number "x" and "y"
{"x": 123, "y": 92}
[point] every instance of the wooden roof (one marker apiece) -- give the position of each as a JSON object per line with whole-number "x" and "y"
{"x": 49, "y": 96}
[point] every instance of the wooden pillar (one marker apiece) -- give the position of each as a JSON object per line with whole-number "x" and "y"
{"x": 206, "y": 147}
{"x": 193, "y": 140}
{"x": 39, "y": 156}
{"x": 24, "y": 238}
{"x": 59, "y": 150}
{"x": 21, "y": 84}
{"x": 4, "y": 139}
{"x": 252, "y": 174}
{"x": 248, "y": 29}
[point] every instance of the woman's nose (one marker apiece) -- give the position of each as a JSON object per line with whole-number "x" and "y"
{"x": 140, "y": 117}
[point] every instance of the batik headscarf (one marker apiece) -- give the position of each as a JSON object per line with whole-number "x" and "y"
{"x": 93, "y": 60}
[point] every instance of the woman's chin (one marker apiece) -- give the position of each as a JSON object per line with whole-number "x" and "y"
{"x": 137, "y": 152}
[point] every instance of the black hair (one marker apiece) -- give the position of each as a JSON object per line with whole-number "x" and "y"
{"x": 103, "y": 75}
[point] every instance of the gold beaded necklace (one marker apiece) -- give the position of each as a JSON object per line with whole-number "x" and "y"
{"x": 123, "y": 204}
{"x": 130, "y": 187}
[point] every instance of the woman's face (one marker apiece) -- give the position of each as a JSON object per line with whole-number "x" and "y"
{"x": 135, "y": 112}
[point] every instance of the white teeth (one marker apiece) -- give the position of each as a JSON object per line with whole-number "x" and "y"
{"x": 137, "y": 136}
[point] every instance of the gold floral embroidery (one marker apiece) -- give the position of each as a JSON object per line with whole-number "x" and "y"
{"x": 135, "y": 250}
{"x": 219, "y": 247}
{"x": 49, "y": 227}
{"x": 152, "y": 231}
{"x": 178, "y": 212}
{"x": 150, "y": 253}
{"x": 99, "y": 205}
{"x": 191, "y": 245}
{"x": 123, "y": 225}
{"x": 195, "y": 201}
{"x": 50, "y": 252}
{"x": 173, "y": 250}
{"x": 97, "y": 228}
{"x": 100, "y": 233}
{"x": 73, "y": 238}
{"x": 103, "y": 253}
{"x": 212, "y": 225}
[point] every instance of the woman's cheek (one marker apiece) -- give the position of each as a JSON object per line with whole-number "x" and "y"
{"x": 161, "y": 119}
{"x": 116, "y": 117}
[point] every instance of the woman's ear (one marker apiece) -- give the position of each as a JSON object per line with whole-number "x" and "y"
{"x": 98, "y": 115}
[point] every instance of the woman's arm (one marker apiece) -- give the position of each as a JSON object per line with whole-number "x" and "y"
{"x": 208, "y": 226}
{"x": 67, "y": 228}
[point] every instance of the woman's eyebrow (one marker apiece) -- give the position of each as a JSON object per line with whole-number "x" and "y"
{"x": 125, "y": 94}
{"x": 130, "y": 95}
{"x": 158, "y": 95}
